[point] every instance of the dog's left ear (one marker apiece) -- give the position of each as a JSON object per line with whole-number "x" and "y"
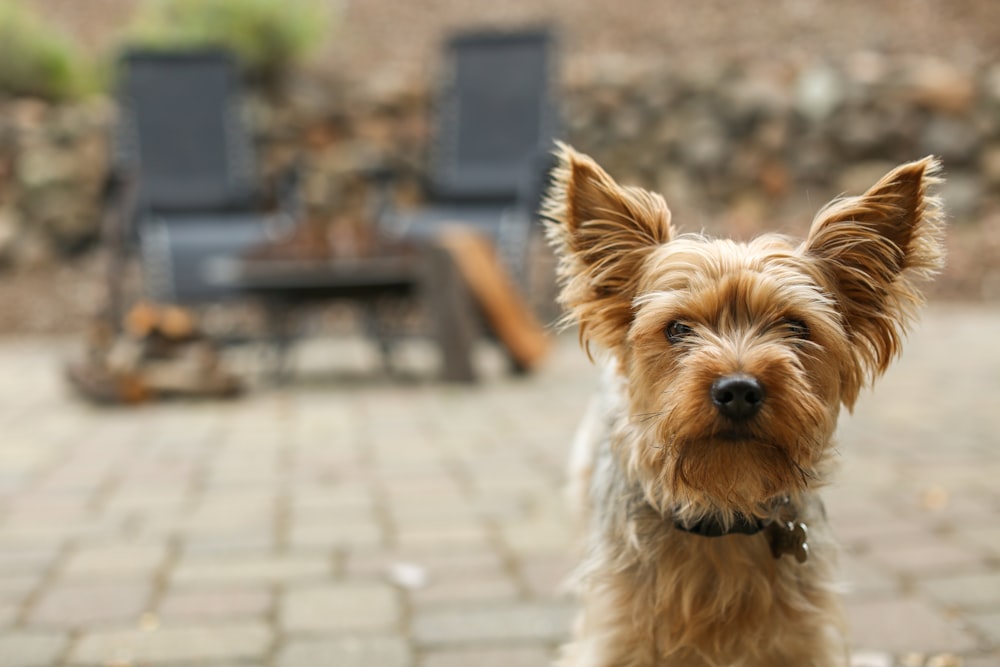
{"x": 874, "y": 250}
{"x": 602, "y": 232}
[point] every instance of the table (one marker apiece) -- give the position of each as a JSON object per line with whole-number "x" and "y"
{"x": 426, "y": 273}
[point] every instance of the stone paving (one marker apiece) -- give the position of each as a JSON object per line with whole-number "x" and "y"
{"x": 353, "y": 521}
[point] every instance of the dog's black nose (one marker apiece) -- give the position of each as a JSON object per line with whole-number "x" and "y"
{"x": 738, "y": 396}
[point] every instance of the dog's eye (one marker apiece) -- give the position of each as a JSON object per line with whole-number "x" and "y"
{"x": 677, "y": 331}
{"x": 796, "y": 329}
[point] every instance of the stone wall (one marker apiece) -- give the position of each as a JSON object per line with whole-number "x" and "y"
{"x": 52, "y": 165}
{"x": 751, "y": 138}
{"x": 736, "y": 147}
{"x": 740, "y": 148}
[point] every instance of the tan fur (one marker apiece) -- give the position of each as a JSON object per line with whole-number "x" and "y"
{"x": 813, "y": 322}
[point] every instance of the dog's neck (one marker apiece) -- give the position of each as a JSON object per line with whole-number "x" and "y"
{"x": 711, "y": 526}
{"x": 785, "y": 533}
{"x": 714, "y": 525}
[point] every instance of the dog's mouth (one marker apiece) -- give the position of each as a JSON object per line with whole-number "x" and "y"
{"x": 740, "y": 442}
{"x": 731, "y": 439}
{"x": 734, "y": 435}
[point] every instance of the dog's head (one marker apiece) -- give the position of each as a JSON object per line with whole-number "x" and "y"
{"x": 737, "y": 357}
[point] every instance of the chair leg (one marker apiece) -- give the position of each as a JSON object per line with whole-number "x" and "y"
{"x": 452, "y": 314}
{"x": 376, "y": 330}
{"x": 280, "y": 327}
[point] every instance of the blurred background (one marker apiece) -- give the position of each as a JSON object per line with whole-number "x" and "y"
{"x": 746, "y": 118}
{"x": 370, "y": 519}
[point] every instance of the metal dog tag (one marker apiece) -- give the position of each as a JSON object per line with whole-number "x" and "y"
{"x": 789, "y": 537}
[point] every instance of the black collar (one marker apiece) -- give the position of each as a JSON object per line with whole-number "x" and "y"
{"x": 711, "y": 526}
{"x": 742, "y": 524}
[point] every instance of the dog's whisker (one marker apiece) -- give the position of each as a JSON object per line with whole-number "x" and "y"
{"x": 642, "y": 418}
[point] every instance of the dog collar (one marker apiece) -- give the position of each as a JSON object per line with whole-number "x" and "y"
{"x": 712, "y": 527}
{"x": 785, "y": 535}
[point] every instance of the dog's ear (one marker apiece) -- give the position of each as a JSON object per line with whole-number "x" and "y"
{"x": 874, "y": 250}
{"x": 602, "y": 233}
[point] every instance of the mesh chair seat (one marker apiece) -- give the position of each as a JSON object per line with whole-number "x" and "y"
{"x": 426, "y": 221}
{"x": 507, "y": 227}
{"x": 179, "y": 251}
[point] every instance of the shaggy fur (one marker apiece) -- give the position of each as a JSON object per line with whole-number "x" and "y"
{"x": 812, "y": 322}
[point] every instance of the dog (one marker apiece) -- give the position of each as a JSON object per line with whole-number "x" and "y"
{"x": 698, "y": 466}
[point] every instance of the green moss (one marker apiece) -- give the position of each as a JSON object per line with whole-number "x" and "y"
{"x": 37, "y": 60}
{"x": 267, "y": 35}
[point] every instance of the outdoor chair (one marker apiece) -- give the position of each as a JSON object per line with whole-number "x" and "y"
{"x": 184, "y": 194}
{"x": 494, "y": 124}
{"x": 195, "y": 197}
{"x": 185, "y": 161}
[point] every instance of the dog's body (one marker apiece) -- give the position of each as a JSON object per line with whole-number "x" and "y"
{"x": 698, "y": 466}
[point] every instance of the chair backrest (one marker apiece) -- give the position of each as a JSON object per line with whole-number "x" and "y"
{"x": 181, "y": 129}
{"x": 495, "y": 113}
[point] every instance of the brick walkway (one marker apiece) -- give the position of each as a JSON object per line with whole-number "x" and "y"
{"x": 350, "y": 521}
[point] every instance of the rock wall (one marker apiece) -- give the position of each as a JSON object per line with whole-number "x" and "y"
{"x": 735, "y": 147}
{"x": 743, "y": 138}
{"x": 52, "y": 165}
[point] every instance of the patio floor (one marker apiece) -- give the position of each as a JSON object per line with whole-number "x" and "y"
{"x": 346, "y": 519}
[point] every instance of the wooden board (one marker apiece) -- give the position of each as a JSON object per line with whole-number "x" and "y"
{"x": 507, "y": 314}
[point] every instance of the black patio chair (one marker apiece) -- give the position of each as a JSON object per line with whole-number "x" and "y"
{"x": 494, "y": 124}
{"x": 182, "y": 143}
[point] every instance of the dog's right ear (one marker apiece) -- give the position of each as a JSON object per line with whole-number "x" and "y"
{"x": 602, "y": 233}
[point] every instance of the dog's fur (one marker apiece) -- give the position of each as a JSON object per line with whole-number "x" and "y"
{"x": 813, "y": 322}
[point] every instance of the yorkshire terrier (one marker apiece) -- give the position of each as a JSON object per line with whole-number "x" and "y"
{"x": 699, "y": 464}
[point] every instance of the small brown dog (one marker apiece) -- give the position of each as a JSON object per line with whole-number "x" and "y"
{"x": 700, "y": 462}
